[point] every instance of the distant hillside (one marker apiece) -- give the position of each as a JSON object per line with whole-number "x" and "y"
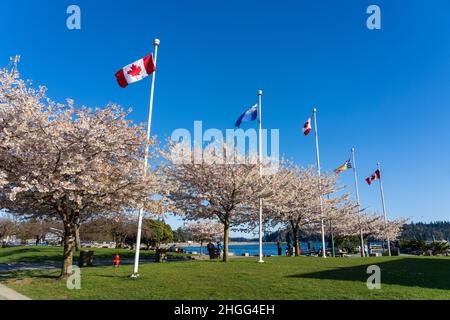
{"x": 242, "y": 239}
{"x": 439, "y": 230}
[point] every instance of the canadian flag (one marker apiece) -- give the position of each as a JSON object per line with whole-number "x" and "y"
{"x": 135, "y": 71}
{"x": 307, "y": 127}
{"x": 373, "y": 177}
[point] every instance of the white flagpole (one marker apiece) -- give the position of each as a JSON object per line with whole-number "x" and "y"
{"x": 260, "y": 173}
{"x": 15, "y": 61}
{"x": 357, "y": 200}
{"x": 149, "y": 126}
{"x": 384, "y": 209}
{"x": 324, "y": 255}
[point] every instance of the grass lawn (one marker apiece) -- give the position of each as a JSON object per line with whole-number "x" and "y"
{"x": 34, "y": 254}
{"x": 242, "y": 278}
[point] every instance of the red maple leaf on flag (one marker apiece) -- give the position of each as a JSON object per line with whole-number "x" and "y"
{"x": 134, "y": 71}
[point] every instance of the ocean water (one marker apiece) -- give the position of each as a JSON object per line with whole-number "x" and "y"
{"x": 253, "y": 249}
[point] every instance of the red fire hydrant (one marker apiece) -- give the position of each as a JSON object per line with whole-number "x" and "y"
{"x": 116, "y": 261}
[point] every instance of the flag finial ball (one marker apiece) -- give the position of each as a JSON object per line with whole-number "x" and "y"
{"x": 314, "y": 110}
{"x": 156, "y": 42}
{"x": 260, "y": 93}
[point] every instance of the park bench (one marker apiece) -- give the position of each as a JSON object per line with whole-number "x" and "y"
{"x": 214, "y": 254}
{"x": 161, "y": 255}
{"x": 86, "y": 258}
{"x": 375, "y": 250}
{"x": 341, "y": 253}
{"x": 375, "y": 254}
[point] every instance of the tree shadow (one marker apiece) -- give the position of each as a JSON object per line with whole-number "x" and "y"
{"x": 433, "y": 273}
{"x": 115, "y": 276}
{"x": 39, "y": 254}
{"x": 4, "y": 253}
{"x": 30, "y": 254}
{"x": 25, "y": 274}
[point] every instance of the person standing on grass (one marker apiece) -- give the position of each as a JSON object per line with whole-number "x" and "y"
{"x": 280, "y": 248}
{"x": 116, "y": 261}
{"x": 219, "y": 248}
{"x": 210, "y": 248}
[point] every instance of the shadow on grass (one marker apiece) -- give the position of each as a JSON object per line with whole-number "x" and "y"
{"x": 4, "y": 253}
{"x": 24, "y": 274}
{"x": 50, "y": 254}
{"x": 31, "y": 262}
{"x": 412, "y": 272}
{"x": 114, "y": 276}
{"x": 30, "y": 254}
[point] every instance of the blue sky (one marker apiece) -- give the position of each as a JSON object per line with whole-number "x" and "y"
{"x": 383, "y": 91}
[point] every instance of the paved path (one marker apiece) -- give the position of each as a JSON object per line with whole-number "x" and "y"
{"x": 9, "y": 294}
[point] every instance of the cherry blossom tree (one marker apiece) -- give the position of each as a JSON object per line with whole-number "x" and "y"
{"x": 339, "y": 214}
{"x": 8, "y": 228}
{"x": 297, "y": 204}
{"x": 204, "y": 230}
{"x": 390, "y": 229}
{"x": 219, "y": 186}
{"x": 58, "y": 160}
{"x": 117, "y": 227}
{"x": 3, "y": 180}
{"x": 370, "y": 225}
{"x": 36, "y": 229}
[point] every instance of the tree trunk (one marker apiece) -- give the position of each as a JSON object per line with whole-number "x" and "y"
{"x": 361, "y": 240}
{"x": 119, "y": 241}
{"x": 115, "y": 240}
{"x": 37, "y": 240}
{"x": 68, "y": 251}
{"x": 296, "y": 241}
{"x": 226, "y": 234}
{"x": 201, "y": 247}
{"x": 77, "y": 237}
